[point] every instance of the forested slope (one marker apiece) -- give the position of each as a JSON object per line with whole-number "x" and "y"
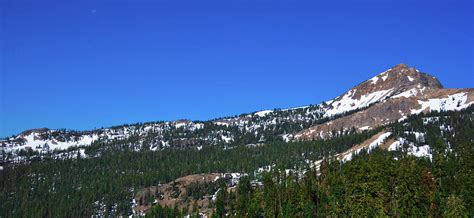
{"x": 382, "y": 182}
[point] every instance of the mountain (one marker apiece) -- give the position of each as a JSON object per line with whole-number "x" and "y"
{"x": 388, "y": 97}
{"x": 396, "y": 140}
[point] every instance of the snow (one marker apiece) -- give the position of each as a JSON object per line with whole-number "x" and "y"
{"x": 87, "y": 139}
{"x": 347, "y": 103}
{"x": 198, "y": 126}
{"x": 451, "y": 103}
{"x": 374, "y": 79}
{"x": 179, "y": 125}
{"x": 221, "y": 123}
{"x": 263, "y": 113}
{"x": 317, "y": 165}
{"x": 295, "y": 108}
{"x": 364, "y": 128}
{"x": 267, "y": 168}
{"x": 34, "y": 142}
{"x": 384, "y": 76}
{"x": 410, "y": 78}
{"x": 286, "y": 137}
{"x": 82, "y": 152}
{"x": 347, "y": 157}
{"x": 402, "y": 119}
{"x": 214, "y": 196}
{"x": 147, "y": 128}
{"x": 421, "y": 151}
{"x": 407, "y": 94}
{"x": 227, "y": 139}
{"x": 418, "y": 135}
{"x": 377, "y": 142}
{"x": 397, "y": 144}
{"x": 427, "y": 120}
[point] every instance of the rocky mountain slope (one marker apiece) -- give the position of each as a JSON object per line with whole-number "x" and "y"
{"x": 392, "y": 96}
{"x": 388, "y": 97}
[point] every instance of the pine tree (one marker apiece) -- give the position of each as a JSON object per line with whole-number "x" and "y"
{"x": 455, "y": 207}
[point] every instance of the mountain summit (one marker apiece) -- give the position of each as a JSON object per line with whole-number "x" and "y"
{"x": 396, "y": 80}
{"x": 388, "y": 97}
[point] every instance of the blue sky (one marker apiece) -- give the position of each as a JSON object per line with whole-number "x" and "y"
{"x": 87, "y": 64}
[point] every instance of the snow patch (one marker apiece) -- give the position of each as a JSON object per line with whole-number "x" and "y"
{"x": 402, "y": 119}
{"x": 372, "y": 145}
{"x": 226, "y": 139}
{"x": 179, "y": 125}
{"x": 453, "y": 102}
{"x": 407, "y": 94}
{"x": 421, "y": 151}
{"x": 286, "y": 137}
{"x": 384, "y": 76}
{"x": 374, "y": 79}
{"x": 347, "y": 103}
{"x": 263, "y": 113}
{"x": 221, "y": 123}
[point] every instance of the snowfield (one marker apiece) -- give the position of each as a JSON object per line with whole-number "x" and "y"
{"x": 347, "y": 103}
{"x": 451, "y": 103}
{"x": 263, "y": 113}
{"x": 34, "y": 142}
{"x": 421, "y": 151}
{"x": 407, "y": 94}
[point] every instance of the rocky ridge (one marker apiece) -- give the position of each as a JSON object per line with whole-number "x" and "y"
{"x": 388, "y": 97}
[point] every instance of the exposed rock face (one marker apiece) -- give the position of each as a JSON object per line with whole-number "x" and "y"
{"x": 390, "y": 96}
{"x": 175, "y": 193}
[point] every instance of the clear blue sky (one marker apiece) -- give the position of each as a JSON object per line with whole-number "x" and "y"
{"x": 87, "y": 64}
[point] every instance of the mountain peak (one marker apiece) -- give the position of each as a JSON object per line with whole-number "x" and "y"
{"x": 400, "y": 66}
{"x": 401, "y": 76}
{"x": 397, "y": 80}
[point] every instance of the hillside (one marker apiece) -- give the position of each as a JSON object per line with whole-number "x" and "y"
{"x": 389, "y": 96}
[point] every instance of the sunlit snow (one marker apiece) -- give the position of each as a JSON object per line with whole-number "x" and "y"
{"x": 453, "y": 102}
{"x": 347, "y": 103}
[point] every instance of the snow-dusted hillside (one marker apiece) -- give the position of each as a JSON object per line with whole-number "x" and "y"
{"x": 388, "y": 97}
